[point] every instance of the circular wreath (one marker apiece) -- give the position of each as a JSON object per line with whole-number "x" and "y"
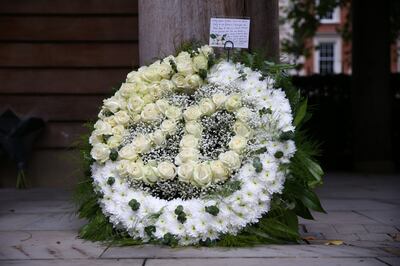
{"x": 187, "y": 150}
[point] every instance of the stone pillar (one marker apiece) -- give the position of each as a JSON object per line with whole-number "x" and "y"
{"x": 165, "y": 24}
{"x": 264, "y": 27}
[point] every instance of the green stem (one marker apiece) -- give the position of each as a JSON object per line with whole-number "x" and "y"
{"x": 21, "y": 180}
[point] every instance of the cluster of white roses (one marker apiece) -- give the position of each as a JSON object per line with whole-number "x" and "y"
{"x": 145, "y": 216}
{"x": 139, "y": 100}
{"x": 206, "y": 172}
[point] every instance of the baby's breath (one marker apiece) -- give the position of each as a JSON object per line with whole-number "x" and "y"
{"x": 173, "y": 189}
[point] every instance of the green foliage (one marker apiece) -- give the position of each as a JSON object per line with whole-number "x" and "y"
{"x": 227, "y": 189}
{"x": 213, "y": 210}
{"x": 257, "y": 164}
{"x": 188, "y": 46}
{"x": 110, "y": 180}
{"x": 279, "y": 225}
{"x": 114, "y": 155}
{"x": 300, "y": 113}
{"x": 134, "y": 204}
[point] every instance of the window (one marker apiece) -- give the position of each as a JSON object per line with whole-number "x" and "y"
{"x": 330, "y": 17}
{"x": 326, "y": 57}
{"x": 327, "y": 54}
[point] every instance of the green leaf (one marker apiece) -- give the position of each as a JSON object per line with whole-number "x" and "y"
{"x": 213, "y": 210}
{"x": 303, "y": 211}
{"x": 300, "y": 113}
{"x": 291, "y": 219}
{"x": 203, "y": 73}
{"x": 315, "y": 170}
{"x": 280, "y": 229}
{"x": 310, "y": 200}
{"x": 257, "y": 164}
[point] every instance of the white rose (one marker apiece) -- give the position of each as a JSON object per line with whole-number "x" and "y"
{"x": 100, "y": 152}
{"x": 167, "y": 85}
{"x": 136, "y": 118}
{"x": 193, "y": 128}
{"x": 184, "y": 63}
{"x": 149, "y": 74}
{"x": 207, "y": 106}
{"x": 122, "y": 167}
{"x": 231, "y": 159}
{"x": 202, "y": 175}
{"x": 205, "y": 49}
{"x": 193, "y": 81}
{"x": 110, "y": 120}
{"x": 119, "y": 130}
{"x": 133, "y": 77}
{"x": 219, "y": 171}
{"x": 173, "y": 113}
{"x": 189, "y": 141}
{"x": 192, "y": 113}
{"x": 237, "y": 143}
{"x": 154, "y": 90}
{"x": 150, "y": 113}
{"x": 200, "y": 62}
{"x": 121, "y": 117}
{"x": 148, "y": 98}
{"x": 164, "y": 68}
{"x": 219, "y": 99}
{"x": 140, "y": 87}
{"x": 187, "y": 155}
{"x": 142, "y": 144}
{"x": 127, "y": 89}
{"x": 233, "y": 103}
{"x": 185, "y": 171}
{"x": 241, "y": 129}
{"x": 166, "y": 170}
{"x": 243, "y": 114}
{"x": 113, "y": 104}
{"x": 128, "y": 152}
{"x": 135, "y": 170}
{"x": 168, "y": 126}
{"x": 158, "y": 137}
{"x": 162, "y": 105}
{"x": 102, "y": 128}
{"x": 150, "y": 174}
{"x": 179, "y": 81}
{"x": 114, "y": 141}
{"x": 95, "y": 138}
{"x": 135, "y": 104}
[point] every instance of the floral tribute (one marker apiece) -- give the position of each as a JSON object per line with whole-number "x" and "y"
{"x": 191, "y": 149}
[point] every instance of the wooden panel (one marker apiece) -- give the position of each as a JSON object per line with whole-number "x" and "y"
{"x": 69, "y": 6}
{"x": 61, "y": 135}
{"x": 78, "y": 81}
{"x": 68, "y": 28}
{"x": 76, "y": 54}
{"x": 46, "y": 168}
{"x": 59, "y": 108}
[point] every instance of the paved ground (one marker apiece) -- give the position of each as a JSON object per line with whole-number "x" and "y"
{"x": 38, "y": 227}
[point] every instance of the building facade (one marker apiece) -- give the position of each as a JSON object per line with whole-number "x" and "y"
{"x": 329, "y": 52}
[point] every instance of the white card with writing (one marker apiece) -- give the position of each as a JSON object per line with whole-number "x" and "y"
{"x": 229, "y": 29}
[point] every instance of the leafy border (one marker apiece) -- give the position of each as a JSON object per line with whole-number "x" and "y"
{"x": 280, "y": 225}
